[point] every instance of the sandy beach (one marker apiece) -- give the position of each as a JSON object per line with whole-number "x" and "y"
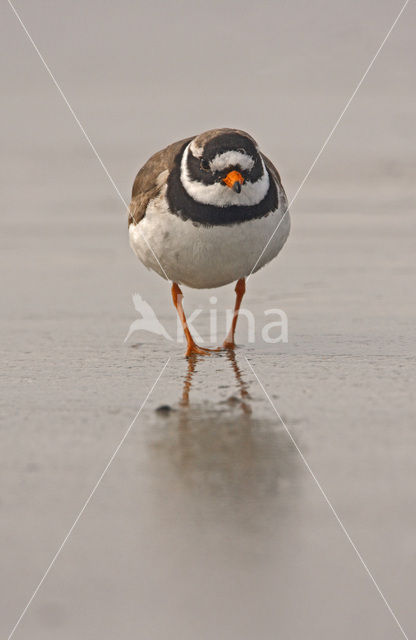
{"x": 208, "y": 524}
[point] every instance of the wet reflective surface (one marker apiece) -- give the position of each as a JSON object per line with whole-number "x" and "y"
{"x": 229, "y": 355}
{"x": 208, "y": 524}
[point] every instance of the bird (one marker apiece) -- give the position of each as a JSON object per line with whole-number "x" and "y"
{"x": 205, "y": 212}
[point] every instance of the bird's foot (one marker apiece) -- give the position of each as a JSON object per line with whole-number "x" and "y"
{"x": 203, "y": 351}
{"x": 228, "y": 345}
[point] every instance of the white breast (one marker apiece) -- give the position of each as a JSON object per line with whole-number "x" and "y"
{"x": 204, "y": 257}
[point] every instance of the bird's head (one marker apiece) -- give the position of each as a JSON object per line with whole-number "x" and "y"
{"x": 223, "y": 167}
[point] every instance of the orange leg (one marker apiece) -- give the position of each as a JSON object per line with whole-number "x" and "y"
{"x": 240, "y": 289}
{"x": 177, "y": 296}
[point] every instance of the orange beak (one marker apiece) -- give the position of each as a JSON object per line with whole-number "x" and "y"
{"x": 234, "y": 180}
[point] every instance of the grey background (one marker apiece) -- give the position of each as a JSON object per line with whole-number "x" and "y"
{"x": 207, "y": 525}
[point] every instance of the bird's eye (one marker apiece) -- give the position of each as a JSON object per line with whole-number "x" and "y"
{"x": 205, "y": 165}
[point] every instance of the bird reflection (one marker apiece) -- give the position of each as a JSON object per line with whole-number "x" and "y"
{"x": 215, "y": 461}
{"x": 241, "y": 383}
{"x": 223, "y": 463}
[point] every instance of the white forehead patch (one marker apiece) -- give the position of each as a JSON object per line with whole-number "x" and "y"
{"x": 231, "y": 159}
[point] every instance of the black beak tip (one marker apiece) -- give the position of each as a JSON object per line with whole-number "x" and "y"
{"x": 237, "y": 187}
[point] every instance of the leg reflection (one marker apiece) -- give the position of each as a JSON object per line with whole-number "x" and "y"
{"x": 184, "y": 402}
{"x": 241, "y": 384}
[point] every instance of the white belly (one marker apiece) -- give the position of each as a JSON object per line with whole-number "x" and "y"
{"x": 204, "y": 257}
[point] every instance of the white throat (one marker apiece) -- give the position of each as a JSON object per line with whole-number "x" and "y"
{"x": 219, "y": 194}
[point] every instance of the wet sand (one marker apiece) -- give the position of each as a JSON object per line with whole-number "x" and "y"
{"x": 208, "y": 524}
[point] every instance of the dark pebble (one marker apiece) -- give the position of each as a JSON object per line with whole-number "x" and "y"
{"x": 164, "y": 408}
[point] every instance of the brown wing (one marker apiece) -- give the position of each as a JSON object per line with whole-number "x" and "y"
{"x": 149, "y": 182}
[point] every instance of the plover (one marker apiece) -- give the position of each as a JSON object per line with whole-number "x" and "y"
{"x": 202, "y": 212}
